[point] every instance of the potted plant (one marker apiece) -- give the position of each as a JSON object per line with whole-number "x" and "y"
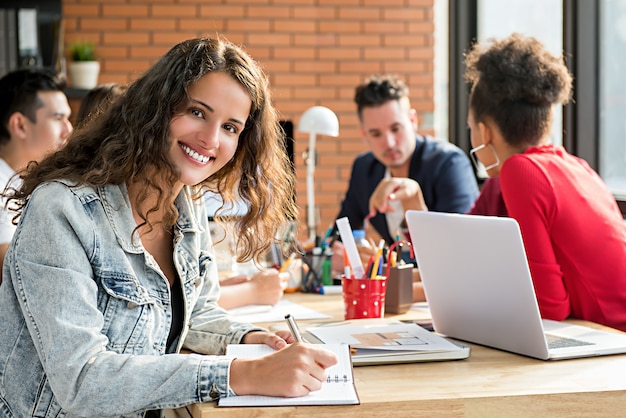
{"x": 83, "y": 68}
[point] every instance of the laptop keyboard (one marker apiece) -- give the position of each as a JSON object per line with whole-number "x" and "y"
{"x": 562, "y": 342}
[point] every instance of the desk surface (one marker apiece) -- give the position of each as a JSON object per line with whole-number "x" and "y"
{"x": 489, "y": 383}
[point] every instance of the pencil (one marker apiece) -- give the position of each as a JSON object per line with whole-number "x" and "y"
{"x": 347, "y": 268}
{"x": 283, "y": 268}
{"x": 378, "y": 256}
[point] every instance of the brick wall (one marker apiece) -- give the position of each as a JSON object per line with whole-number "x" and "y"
{"x": 316, "y": 52}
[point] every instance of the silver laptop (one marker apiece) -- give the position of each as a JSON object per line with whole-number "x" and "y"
{"x": 479, "y": 289}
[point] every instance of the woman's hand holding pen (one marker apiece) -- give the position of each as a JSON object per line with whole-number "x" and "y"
{"x": 293, "y": 371}
{"x": 408, "y": 191}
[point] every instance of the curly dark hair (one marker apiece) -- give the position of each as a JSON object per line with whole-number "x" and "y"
{"x": 378, "y": 90}
{"x": 130, "y": 143}
{"x": 515, "y": 82}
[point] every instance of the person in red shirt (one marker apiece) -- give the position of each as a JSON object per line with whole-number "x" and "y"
{"x": 489, "y": 201}
{"x": 572, "y": 228}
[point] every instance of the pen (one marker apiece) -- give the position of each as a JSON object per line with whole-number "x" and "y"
{"x": 293, "y": 327}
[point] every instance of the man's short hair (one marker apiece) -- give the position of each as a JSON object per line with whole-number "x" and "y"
{"x": 18, "y": 93}
{"x": 378, "y": 90}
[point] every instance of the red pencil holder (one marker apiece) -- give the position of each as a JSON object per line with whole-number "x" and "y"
{"x": 364, "y": 298}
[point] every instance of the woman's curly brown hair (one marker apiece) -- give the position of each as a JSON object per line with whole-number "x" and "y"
{"x": 515, "y": 82}
{"x": 130, "y": 143}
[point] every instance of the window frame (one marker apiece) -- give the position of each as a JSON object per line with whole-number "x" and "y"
{"x": 581, "y": 40}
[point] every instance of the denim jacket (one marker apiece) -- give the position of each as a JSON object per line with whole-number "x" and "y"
{"x": 85, "y": 311}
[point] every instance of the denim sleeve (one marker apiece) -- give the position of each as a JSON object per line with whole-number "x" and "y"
{"x": 50, "y": 268}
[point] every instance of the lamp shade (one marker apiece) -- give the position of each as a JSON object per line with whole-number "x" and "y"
{"x": 319, "y": 120}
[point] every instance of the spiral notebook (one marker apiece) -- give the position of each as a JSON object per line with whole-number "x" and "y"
{"x": 338, "y": 389}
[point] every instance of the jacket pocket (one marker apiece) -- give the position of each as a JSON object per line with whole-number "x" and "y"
{"x": 133, "y": 317}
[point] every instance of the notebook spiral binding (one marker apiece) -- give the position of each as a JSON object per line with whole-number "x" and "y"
{"x": 336, "y": 379}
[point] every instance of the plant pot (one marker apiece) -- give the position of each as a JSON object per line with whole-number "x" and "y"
{"x": 84, "y": 74}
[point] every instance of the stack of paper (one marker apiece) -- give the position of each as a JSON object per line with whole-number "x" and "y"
{"x": 384, "y": 342}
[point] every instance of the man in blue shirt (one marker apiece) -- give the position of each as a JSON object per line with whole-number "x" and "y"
{"x": 403, "y": 170}
{"x": 386, "y": 181}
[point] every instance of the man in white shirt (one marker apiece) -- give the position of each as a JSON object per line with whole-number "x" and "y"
{"x": 34, "y": 121}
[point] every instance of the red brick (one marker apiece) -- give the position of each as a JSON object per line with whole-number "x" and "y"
{"x": 408, "y": 14}
{"x": 99, "y": 24}
{"x": 221, "y": 10}
{"x": 314, "y": 12}
{"x": 125, "y": 38}
{"x": 295, "y": 79}
{"x": 81, "y": 10}
{"x": 339, "y": 53}
{"x": 361, "y": 40}
{"x": 173, "y": 10}
{"x": 384, "y": 3}
{"x": 421, "y": 3}
{"x": 386, "y": 27}
{"x": 317, "y": 67}
{"x": 426, "y": 53}
{"x": 427, "y": 28}
{"x": 248, "y": 25}
{"x": 385, "y": 53}
{"x": 342, "y": 2}
{"x": 272, "y": 39}
{"x": 270, "y": 12}
{"x": 125, "y": 10}
{"x": 314, "y": 93}
{"x": 172, "y": 38}
{"x": 152, "y": 24}
{"x": 359, "y": 13}
{"x": 147, "y": 52}
{"x": 294, "y": 53}
{"x": 294, "y": 26}
{"x": 314, "y": 40}
{"x": 127, "y": 65}
{"x": 360, "y": 66}
{"x": 339, "y": 26}
{"x": 404, "y": 66}
{"x": 111, "y": 52}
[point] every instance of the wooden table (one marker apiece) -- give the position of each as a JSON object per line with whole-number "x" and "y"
{"x": 489, "y": 383}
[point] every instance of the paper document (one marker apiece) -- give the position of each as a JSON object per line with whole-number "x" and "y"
{"x": 269, "y": 313}
{"x": 393, "y": 337}
{"x": 383, "y": 341}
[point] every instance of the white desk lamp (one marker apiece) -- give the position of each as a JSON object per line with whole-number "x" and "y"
{"x": 323, "y": 121}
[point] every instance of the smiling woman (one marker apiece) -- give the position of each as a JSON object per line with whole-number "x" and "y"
{"x": 125, "y": 275}
{"x": 206, "y": 134}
